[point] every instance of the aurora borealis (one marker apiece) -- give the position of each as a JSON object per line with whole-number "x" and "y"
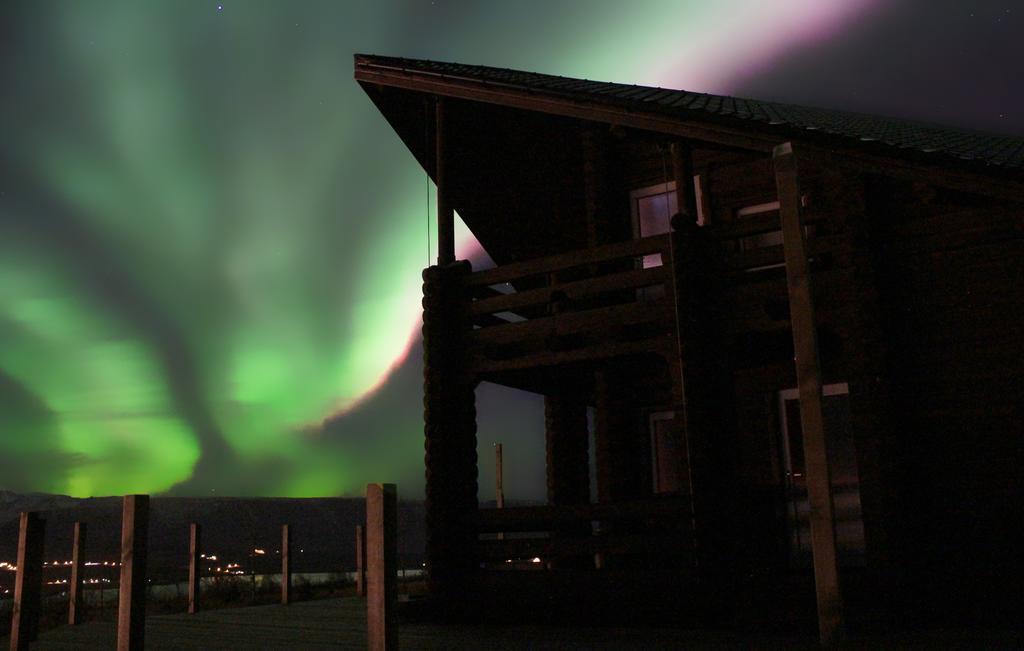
{"x": 211, "y": 242}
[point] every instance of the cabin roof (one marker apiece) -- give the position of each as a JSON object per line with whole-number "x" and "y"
{"x": 893, "y": 136}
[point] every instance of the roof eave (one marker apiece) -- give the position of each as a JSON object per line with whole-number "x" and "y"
{"x": 368, "y": 71}
{"x": 988, "y": 179}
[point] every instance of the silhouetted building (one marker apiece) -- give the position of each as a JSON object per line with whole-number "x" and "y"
{"x": 670, "y": 343}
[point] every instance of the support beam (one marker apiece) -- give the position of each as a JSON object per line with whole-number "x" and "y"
{"x": 445, "y": 210}
{"x": 131, "y": 606}
{"x": 77, "y": 568}
{"x": 808, "y": 373}
{"x": 360, "y": 560}
{"x": 28, "y": 581}
{"x": 194, "y": 566}
{"x": 286, "y": 564}
{"x": 382, "y": 566}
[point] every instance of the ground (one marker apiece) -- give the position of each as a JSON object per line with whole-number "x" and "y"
{"x": 341, "y": 624}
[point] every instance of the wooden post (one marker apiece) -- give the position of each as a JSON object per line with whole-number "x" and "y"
{"x": 499, "y": 488}
{"x": 381, "y": 557}
{"x": 194, "y": 566}
{"x": 28, "y": 581}
{"x": 808, "y": 373}
{"x": 286, "y": 566}
{"x": 131, "y": 605}
{"x": 445, "y": 211}
{"x": 360, "y": 560}
{"x": 77, "y": 567}
{"x": 499, "y": 483}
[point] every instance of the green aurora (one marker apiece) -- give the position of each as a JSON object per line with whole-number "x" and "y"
{"x": 211, "y": 242}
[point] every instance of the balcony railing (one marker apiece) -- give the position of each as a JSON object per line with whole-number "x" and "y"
{"x": 572, "y": 307}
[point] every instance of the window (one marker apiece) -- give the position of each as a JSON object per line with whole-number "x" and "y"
{"x": 653, "y": 207}
{"x": 667, "y": 453}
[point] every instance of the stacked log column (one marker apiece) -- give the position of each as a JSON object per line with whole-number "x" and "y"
{"x": 566, "y": 439}
{"x": 568, "y": 466}
{"x": 621, "y": 451}
{"x": 450, "y": 432}
{"x": 707, "y": 395}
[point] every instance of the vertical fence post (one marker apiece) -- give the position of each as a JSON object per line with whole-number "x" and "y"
{"x": 360, "y": 560}
{"x": 499, "y": 482}
{"x": 194, "y": 567}
{"x": 131, "y": 606}
{"x": 28, "y": 582}
{"x": 77, "y": 567}
{"x": 381, "y": 574}
{"x": 286, "y": 565}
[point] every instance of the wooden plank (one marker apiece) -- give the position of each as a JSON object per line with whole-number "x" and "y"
{"x": 445, "y": 211}
{"x": 286, "y": 564}
{"x": 574, "y": 290}
{"x": 545, "y": 518}
{"x": 566, "y": 323}
{"x": 28, "y": 581}
{"x": 360, "y": 560}
{"x": 77, "y": 574}
{"x": 579, "y": 257}
{"x": 823, "y": 253}
{"x": 753, "y": 225}
{"x": 131, "y": 608}
{"x": 382, "y": 566}
{"x": 808, "y": 370}
{"x": 194, "y": 566}
{"x": 656, "y": 345}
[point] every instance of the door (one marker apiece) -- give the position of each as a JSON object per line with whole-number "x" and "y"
{"x": 842, "y": 460}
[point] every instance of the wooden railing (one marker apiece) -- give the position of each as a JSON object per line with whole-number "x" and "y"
{"x": 742, "y": 260}
{"x": 576, "y": 306}
{"x": 648, "y": 528}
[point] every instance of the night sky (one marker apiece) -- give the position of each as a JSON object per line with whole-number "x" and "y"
{"x": 211, "y": 241}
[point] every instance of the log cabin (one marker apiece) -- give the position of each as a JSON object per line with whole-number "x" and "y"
{"x": 788, "y": 339}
